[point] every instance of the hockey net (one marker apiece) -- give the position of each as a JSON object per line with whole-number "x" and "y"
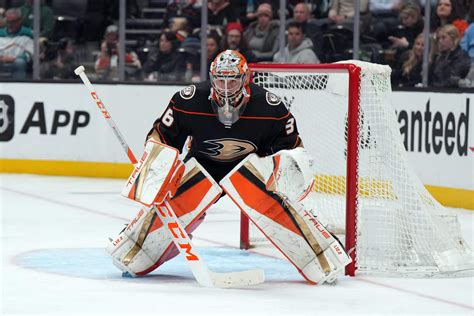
{"x": 365, "y": 191}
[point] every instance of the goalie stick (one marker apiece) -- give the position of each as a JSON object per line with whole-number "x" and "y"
{"x": 181, "y": 239}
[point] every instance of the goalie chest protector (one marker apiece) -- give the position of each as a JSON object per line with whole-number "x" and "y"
{"x": 265, "y": 127}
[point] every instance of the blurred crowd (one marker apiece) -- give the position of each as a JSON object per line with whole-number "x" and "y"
{"x": 163, "y": 43}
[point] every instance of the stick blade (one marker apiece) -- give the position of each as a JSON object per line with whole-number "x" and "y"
{"x": 237, "y": 279}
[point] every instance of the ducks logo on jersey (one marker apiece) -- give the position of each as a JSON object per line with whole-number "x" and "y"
{"x": 273, "y": 99}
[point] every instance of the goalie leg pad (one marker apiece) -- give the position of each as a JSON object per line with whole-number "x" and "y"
{"x": 295, "y": 231}
{"x": 288, "y": 172}
{"x": 145, "y": 243}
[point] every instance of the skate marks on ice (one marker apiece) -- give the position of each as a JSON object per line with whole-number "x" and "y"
{"x": 94, "y": 263}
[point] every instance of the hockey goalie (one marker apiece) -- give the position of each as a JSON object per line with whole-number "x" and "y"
{"x": 242, "y": 139}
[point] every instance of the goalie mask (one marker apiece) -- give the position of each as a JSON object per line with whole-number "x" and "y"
{"x": 230, "y": 77}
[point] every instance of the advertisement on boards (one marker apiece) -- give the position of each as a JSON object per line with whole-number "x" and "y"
{"x": 438, "y": 134}
{"x": 61, "y": 121}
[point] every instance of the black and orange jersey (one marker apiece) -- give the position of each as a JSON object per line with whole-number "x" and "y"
{"x": 265, "y": 127}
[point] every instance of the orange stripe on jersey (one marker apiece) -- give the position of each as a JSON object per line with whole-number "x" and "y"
{"x": 265, "y": 117}
{"x": 194, "y": 113}
{"x": 262, "y": 202}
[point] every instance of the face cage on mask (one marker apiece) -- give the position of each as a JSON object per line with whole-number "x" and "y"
{"x": 228, "y": 88}
{"x": 227, "y": 97}
{"x": 227, "y": 114}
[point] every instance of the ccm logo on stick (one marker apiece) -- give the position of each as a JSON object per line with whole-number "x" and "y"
{"x": 178, "y": 233}
{"x": 100, "y": 105}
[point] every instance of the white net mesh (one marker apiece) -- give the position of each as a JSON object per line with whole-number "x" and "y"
{"x": 401, "y": 229}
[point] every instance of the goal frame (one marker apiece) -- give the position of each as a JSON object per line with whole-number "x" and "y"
{"x": 353, "y": 105}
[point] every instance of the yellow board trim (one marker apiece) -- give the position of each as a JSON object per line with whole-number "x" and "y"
{"x": 67, "y": 168}
{"x": 367, "y": 187}
{"x": 451, "y": 197}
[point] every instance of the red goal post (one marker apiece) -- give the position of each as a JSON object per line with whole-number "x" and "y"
{"x": 365, "y": 190}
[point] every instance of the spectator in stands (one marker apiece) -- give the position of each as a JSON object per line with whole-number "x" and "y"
{"x": 165, "y": 64}
{"x": 301, "y": 13}
{"x": 408, "y": 72}
{"x": 384, "y": 19}
{"x": 467, "y": 44}
{"x": 106, "y": 65}
{"x": 299, "y": 49}
{"x": 312, "y": 30}
{"x": 448, "y": 12}
{"x": 58, "y": 60}
{"x": 183, "y": 9}
{"x": 451, "y": 63}
{"x": 46, "y": 17}
{"x": 16, "y": 45}
{"x": 402, "y": 36}
{"x": 179, "y": 26}
{"x": 221, "y": 12}
{"x": 262, "y": 34}
{"x": 412, "y": 25}
{"x": 247, "y": 9}
{"x": 234, "y": 39}
{"x": 342, "y": 11}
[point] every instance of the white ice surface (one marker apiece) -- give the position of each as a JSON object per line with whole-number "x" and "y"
{"x": 53, "y": 234}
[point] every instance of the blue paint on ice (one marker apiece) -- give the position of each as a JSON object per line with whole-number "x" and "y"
{"x": 95, "y": 263}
